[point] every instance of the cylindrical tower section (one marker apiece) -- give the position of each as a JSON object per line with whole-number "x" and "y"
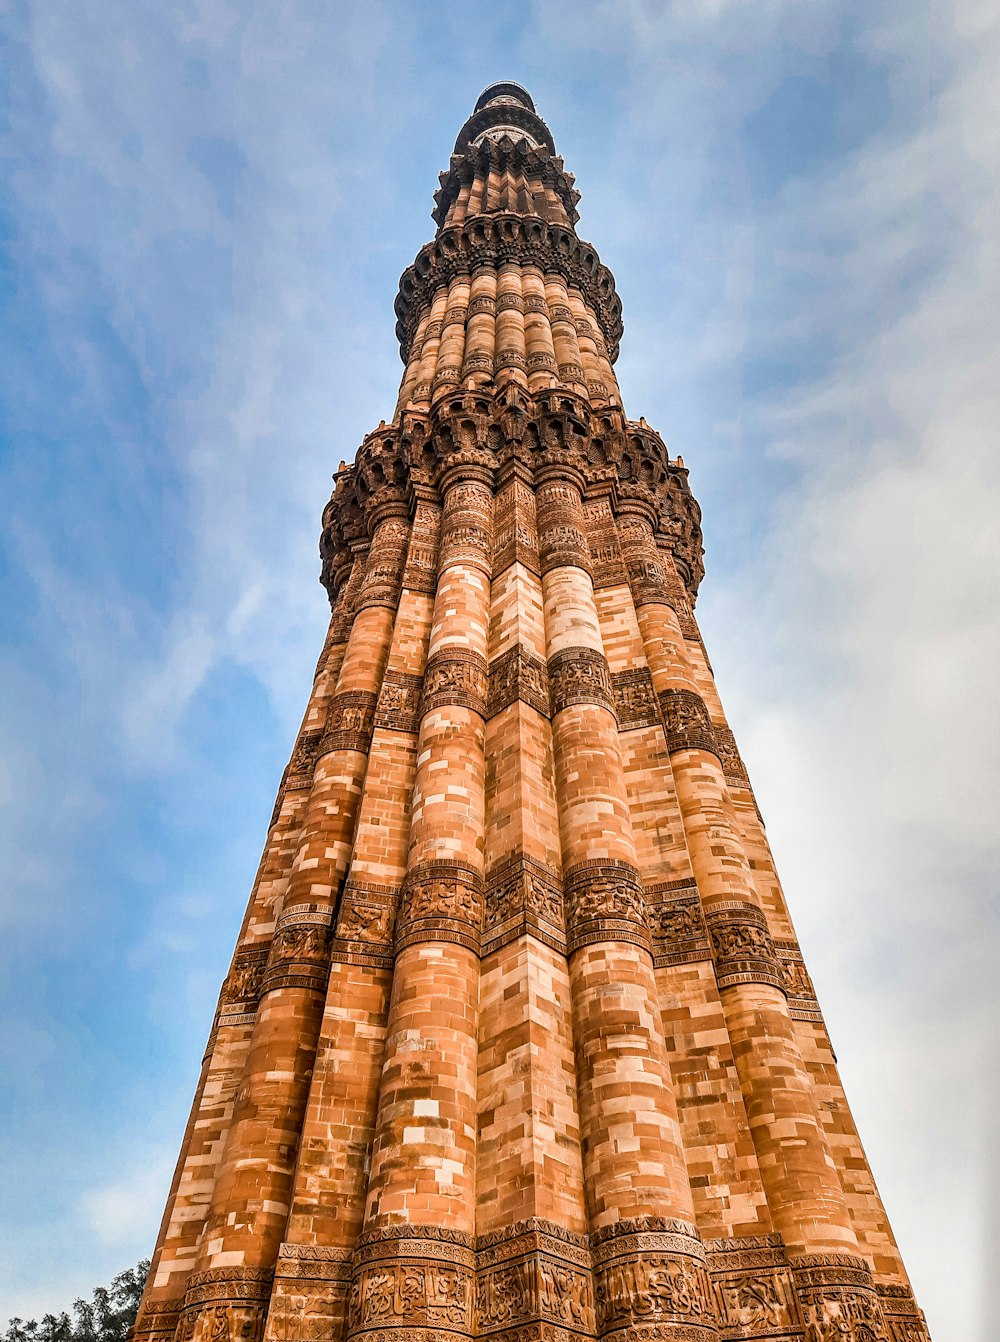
{"x": 804, "y": 1194}
{"x": 638, "y": 1193}
{"x": 421, "y": 1192}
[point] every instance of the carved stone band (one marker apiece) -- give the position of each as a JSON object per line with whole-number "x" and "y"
{"x": 677, "y": 924}
{"x": 686, "y": 721}
{"x": 534, "y": 1273}
{"x": 650, "y": 1280}
{"x": 398, "y": 708}
{"x": 303, "y": 761}
{"x": 523, "y": 896}
{"x": 298, "y": 957}
{"x": 604, "y": 903}
{"x": 365, "y": 924}
{"x": 579, "y": 676}
{"x": 417, "y": 1278}
{"x": 228, "y": 1285}
{"x": 350, "y": 722}
{"x": 313, "y": 1262}
{"x": 741, "y": 946}
{"x": 634, "y": 699}
{"x": 733, "y": 767}
{"x": 754, "y": 1296}
{"x": 518, "y": 674}
{"x": 838, "y": 1299}
{"x": 384, "y": 571}
{"x": 244, "y": 981}
{"x": 455, "y": 676}
{"x": 441, "y": 901}
{"x": 157, "y": 1321}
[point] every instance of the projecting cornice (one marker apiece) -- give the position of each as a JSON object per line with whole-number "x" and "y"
{"x": 499, "y": 239}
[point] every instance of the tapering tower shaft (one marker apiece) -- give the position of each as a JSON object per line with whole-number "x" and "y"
{"x": 518, "y": 1042}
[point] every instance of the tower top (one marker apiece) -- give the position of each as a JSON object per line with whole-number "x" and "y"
{"x": 505, "y": 109}
{"x": 504, "y": 90}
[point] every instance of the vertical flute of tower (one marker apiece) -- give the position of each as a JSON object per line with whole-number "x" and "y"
{"x": 804, "y": 1194}
{"x": 175, "y": 1254}
{"x": 246, "y": 1219}
{"x": 421, "y": 1191}
{"x": 313, "y": 1270}
{"x": 639, "y": 1197}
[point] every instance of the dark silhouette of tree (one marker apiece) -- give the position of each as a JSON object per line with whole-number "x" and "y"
{"x": 106, "y": 1318}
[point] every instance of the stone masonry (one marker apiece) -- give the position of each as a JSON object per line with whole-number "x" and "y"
{"x": 517, "y": 1042}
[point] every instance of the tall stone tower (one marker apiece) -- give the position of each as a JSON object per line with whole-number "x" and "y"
{"x": 517, "y": 1042}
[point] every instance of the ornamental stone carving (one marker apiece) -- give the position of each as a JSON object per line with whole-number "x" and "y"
{"x": 298, "y": 956}
{"x": 646, "y": 1275}
{"x": 677, "y": 923}
{"x": 523, "y": 895}
{"x": 455, "y": 676}
{"x": 441, "y": 901}
{"x": 244, "y": 981}
{"x": 838, "y": 1300}
{"x": 604, "y": 902}
{"x": 742, "y": 946}
{"x": 518, "y": 674}
{"x": 634, "y": 699}
{"x": 579, "y": 676}
{"x": 398, "y": 707}
{"x": 350, "y": 721}
{"x": 417, "y": 1278}
{"x": 686, "y": 721}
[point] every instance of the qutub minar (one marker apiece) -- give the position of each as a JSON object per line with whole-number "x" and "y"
{"x": 518, "y": 1041}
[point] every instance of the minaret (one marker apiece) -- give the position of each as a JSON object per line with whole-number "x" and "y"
{"x": 518, "y": 1042}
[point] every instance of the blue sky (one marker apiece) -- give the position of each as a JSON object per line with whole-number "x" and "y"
{"x": 207, "y": 206}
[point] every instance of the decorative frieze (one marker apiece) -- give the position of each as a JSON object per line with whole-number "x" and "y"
{"x": 365, "y": 924}
{"x": 650, "y": 1280}
{"x": 579, "y": 676}
{"x": 243, "y": 984}
{"x": 455, "y": 676}
{"x": 518, "y": 674}
{"x": 298, "y": 957}
{"x": 441, "y": 901}
{"x": 752, "y": 1285}
{"x": 384, "y": 569}
{"x": 674, "y": 914}
{"x": 303, "y": 761}
{"x": 838, "y": 1300}
{"x": 903, "y": 1316}
{"x": 604, "y": 902}
{"x": 157, "y": 1320}
{"x": 350, "y": 721}
{"x": 534, "y": 1272}
{"x": 523, "y": 896}
{"x": 420, "y": 573}
{"x": 466, "y": 525}
{"x": 398, "y": 707}
{"x": 742, "y": 947}
{"x": 634, "y": 699}
{"x": 417, "y": 1278}
{"x": 686, "y": 721}
{"x": 607, "y": 565}
{"x": 729, "y": 756}
{"x": 514, "y": 537}
{"x": 561, "y": 539}
{"x": 802, "y": 1002}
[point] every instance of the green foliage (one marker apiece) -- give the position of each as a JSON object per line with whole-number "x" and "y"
{"x": 106, "y": 1318}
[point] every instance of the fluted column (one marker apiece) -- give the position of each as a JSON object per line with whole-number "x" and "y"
{"x": 313, "y": 1270}
{"x": 804, "y": 1193}
{"x": 251, "y": 1196}
{"x": 188, "y": 1202}
{"x": 639, "y": 1198}
{"x": 415, "y": 1263}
